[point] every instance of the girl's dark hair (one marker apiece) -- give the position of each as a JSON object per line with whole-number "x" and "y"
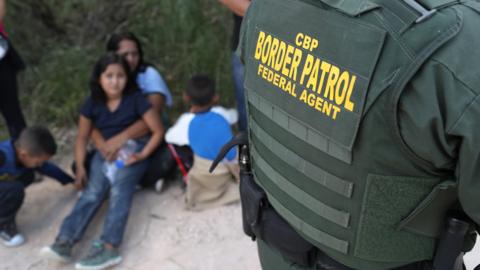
{"x": 113, "y": 45}
{"x": 108, "y": 59}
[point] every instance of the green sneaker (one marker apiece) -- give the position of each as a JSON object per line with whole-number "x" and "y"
{"x": 99, "y": 257}
{"x": 60, "y": 250}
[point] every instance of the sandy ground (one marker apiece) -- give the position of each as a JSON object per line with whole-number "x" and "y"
{"x": 160, "y": 233}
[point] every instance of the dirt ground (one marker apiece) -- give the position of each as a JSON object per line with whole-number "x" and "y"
{"x": 160, "y": 233}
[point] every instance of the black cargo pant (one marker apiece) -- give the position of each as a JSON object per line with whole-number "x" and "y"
{"x": 11, "y": 199}
{"x": 272, "y": 260}
{"x": 163, "y": 165}
{"x": 9, "y": 103}
{"x": 12, "y": 193}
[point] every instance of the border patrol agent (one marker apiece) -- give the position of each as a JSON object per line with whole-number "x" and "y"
{"x": 363, "y": 132}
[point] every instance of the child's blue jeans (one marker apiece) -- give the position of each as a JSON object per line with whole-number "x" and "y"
{"x": 120, "y": 195}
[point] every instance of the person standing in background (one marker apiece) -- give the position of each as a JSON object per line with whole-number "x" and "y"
{"x": 10, "y": 64}
{"x": 238, "y": 7}
{"x": 2, "y": 15}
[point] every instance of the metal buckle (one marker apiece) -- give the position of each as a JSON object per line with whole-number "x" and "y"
{"x": 425, "y": 13}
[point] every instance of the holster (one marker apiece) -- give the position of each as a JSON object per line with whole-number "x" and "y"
{"x": 253, "y": 200}
{"x": 260, "y": 219}
{"x": 451, "y": 245}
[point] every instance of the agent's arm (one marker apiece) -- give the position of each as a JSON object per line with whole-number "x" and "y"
{"x": 238, "y": 7}
{"x": 3, "y": 10}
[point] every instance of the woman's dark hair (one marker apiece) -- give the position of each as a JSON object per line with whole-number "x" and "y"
{"x": 113, "y": 45}
{"x": 98, "y": 94}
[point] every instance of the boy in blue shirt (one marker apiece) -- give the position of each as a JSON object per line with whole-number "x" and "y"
{"x": 18, "y": 161}
{"x": 206, "y": 128}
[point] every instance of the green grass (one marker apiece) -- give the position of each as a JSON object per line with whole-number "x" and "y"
{"x": 61, "y": 39}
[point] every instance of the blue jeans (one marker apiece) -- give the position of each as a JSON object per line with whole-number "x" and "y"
{"x": 97, "y": 189}
{"x": 238, "y": 80}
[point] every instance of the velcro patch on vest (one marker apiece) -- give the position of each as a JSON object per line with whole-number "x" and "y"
{"x": 387, "y": 201}
{"x": 319, "y": 75}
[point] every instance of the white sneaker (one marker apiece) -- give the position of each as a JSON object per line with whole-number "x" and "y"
{"x": 159, "y": 185}
{"x": 10, "y": 235}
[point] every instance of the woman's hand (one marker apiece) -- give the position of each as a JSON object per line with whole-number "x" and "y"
{"x": 136, "y": 157}
{"x": 108, "y": 148}
{"x": 106, "y": 152}
{"x": 81, "y": 178}
{"x": 113, "y": 145}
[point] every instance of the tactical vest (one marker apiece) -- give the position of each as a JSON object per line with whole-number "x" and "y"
{"x": 9, "y": 170}
{"x": 323, "y": 82}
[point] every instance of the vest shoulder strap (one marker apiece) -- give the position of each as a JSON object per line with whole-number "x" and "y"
{"x": 436, "y": 33}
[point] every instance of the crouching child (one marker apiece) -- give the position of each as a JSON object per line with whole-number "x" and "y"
{"x": 19, "y": 159}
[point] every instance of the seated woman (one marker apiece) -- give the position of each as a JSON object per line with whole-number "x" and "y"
{"x": 146, "y": 75}
{"x": 114, "y": 105}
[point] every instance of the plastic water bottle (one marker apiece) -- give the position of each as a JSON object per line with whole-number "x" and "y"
{"x": 110, "y": 168}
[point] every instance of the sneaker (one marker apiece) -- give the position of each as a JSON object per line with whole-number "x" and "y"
{"x": 60, "y": 251}
{"x": 159, "y": 185}
{"x": 10, "y": 235}
{"x": 99, "y": 257}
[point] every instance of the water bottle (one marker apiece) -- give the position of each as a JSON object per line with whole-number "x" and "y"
{"x": 110, "y": 168}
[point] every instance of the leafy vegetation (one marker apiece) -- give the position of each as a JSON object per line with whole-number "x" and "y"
{"x": 61, "y": 39}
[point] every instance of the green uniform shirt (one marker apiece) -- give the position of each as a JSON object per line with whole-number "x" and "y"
{"x": 439, "y": 117}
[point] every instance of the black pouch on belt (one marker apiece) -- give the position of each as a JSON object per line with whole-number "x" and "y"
{"x": 269, "y": 226}
{"x": 277, "y": 233}
{"x": 260, "y": 219}
{"x": 253, "y": 200}
{"x": 252, "y": 197}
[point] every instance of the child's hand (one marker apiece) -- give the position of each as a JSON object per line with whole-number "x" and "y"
{"x": 81, "y": 178}
{"x": 136, "y": 157}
